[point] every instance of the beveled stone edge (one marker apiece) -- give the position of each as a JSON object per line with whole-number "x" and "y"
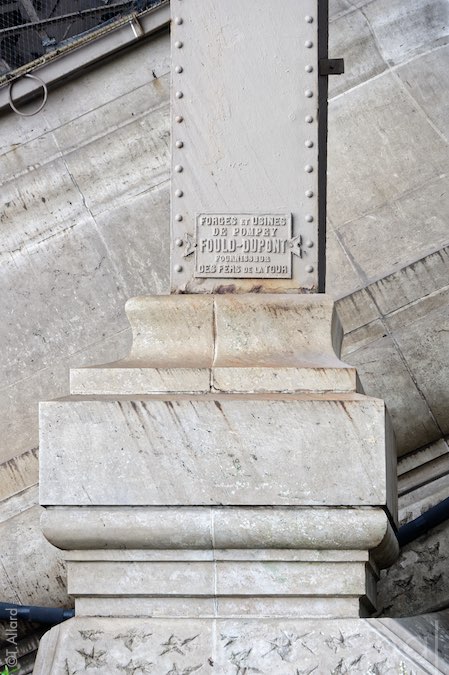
{"x": 211, "y": 528}
{"x": 214, "y": 350}
{"x": 143, "y": 380}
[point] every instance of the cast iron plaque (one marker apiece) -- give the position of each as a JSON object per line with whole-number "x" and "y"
{"x": 245, "y": 246}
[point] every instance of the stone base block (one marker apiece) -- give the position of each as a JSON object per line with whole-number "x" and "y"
{"x": 106, "y": 646}
{"x": 237, "y": 450}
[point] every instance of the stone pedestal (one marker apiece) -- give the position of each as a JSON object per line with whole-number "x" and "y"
{"x": 228, "y": 470}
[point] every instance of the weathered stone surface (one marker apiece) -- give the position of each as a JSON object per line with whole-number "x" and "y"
{"x": 33, "y": 570}
{"x": 156, "y": 451}
{"x": 167, "y": 647}
{"x": 160, "y": 528}
{"x": 417, "y": 582}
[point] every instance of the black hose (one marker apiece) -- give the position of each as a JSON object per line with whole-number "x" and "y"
{"x": 425, "y": 522}
{"x": 50, "y": 615}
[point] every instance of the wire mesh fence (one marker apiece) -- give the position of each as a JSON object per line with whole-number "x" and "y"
{"x": 35, "y": 30}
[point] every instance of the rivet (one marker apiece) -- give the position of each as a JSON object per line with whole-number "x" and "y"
{"x": 309, "y": 144}
{"x": 178, "y": 217}
{"x": 309, "y": 19}
{"x": 178, "y": 193}
{"x": 179, "y": 69}
{"x": 179, "y": 94}
{"x": 179, "y": 144}
{"x": 309, "y": 268}
{"x": 178, "y": 20}
{"x": 309, "y": 244}
{"x": 308, "y": 44}
{"x": 309, "y": 193}
{"x": 309, "y": 218}
{"x": 309, "y": 119}
{"x": 179, "y": 119}
{"x": 309, "y": 68}
{"x": 308, "y": 93}
{"x": 178, "y": 44}
{"x": 308, "y": 168}
{"x": 178, "y": 268}
{"x": 179, "y": 168}
{"x": 179, "y": 242}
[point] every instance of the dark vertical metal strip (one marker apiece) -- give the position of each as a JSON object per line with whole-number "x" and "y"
{"x": 323, "y": 41}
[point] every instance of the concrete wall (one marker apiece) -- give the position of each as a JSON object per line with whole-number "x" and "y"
{"x": 85, "y": 223}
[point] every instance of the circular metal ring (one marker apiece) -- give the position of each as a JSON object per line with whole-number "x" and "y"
{"x": 44, "y": 100}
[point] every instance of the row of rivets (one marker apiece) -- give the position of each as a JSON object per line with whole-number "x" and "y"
{"x": 179, "y": 143}
{"x": 308, "y": 93}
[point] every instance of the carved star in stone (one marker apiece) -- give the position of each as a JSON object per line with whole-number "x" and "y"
{"x": 91, "y": 634}
{"x": 92, "y": 659}
{"x": 228, "y": 639}
{"x": 183, "y": 671}
{"x": 305, "y": 672}
{"x": 240, "y": 661}
{"x": 133, "y": 667}
{"x": 132, "y": 638}
{"x": 282, "y": 645}
{"x": 176, "y": 644}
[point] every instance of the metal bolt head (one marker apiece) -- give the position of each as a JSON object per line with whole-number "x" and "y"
{"x": 179, "y": 144}
{"x": 308, "y": 44}
{"x": 179, "y": 119}
{"x": 308, "y": 168}
{"x": 178, "y": 69}
{"x": 178, "y": 193}
{"x": 309, "y": 68}
{"x": 178, "y": 268}
{"x": 179, "y": 242}
{"x": 309, "y": 193}
{"x": 179, "y": 168}
{"x": 308, "y": 93}
{"x": 308, "y": 144}
{"x": 309, "y": 243}
{"x": 179, "y": 94}
{"x": 178, "y": 44}
{"x": 309, "y": 269}
{"x": 178, "y": 217}
{"x": 178, "y": 20}
{"x": 309, "y": 19}
{"x": 309, "y": 119}
{"x": 309, "y": 218}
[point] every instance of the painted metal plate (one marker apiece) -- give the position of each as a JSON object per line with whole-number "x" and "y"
{"x": 244, "y": 141}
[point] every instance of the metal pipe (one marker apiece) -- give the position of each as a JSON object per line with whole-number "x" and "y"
{"x": 425, "y": 522}
{"x": 49, "y": 615}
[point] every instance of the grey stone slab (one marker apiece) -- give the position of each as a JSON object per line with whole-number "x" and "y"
{"x": 395, "y": 230}
{"x": 427, "y": 80}
{"x": 107, "y": 118}
{"x": 102, "y": 84}
{"x": 360, "y": 337}
{"x": 33, "y": 571}
{"x": 116, "y": 167}
{"x": 27, "y": 156}
{"x": 382, "y": 373}
{"x": 138, "y": 239}
{"x": 417, "y": 582}
{"x": 413, "y": 282}
{"x": 60, "y": 286}
{"x": 378, "y": 149}
{"x": 423, "y": 22}
{"x": 425, "y": 345}
{"x": 351, "y": 38}
{"x": 38, "y": 205}
{"x": 215, "y": 450}
{"x": 356, "y": 310}
{"x": 341, "y": 277}
{"x": 19, "y": 404}
{"x": 270, "y": 646}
